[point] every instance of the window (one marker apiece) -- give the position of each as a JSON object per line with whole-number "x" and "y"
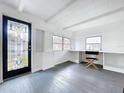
{"x": 66, "y": 44}
{"x": 57, "y": 43}
{"x": 61, "y": 43}
{"x": 93, "y": 43}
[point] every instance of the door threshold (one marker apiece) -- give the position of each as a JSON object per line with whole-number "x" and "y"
{"x": 15, "y": 77}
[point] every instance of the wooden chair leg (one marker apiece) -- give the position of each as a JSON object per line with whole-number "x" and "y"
{"x": 94, "y": 65}
{"x": 91, "y": 63}
{"x": 88, "y": 63}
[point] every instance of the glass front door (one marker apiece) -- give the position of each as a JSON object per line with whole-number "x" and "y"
{"x": 16, "y": 47}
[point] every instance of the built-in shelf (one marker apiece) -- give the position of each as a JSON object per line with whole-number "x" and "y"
{"x": 115, "y": 52}
{"x": 111, "y": 60}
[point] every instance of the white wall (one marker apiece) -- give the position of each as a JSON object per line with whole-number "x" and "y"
{"x": 40, "y": 60}
{"x": 75, "y": 56}
{"x": 112, "y": 41}
{"x": 112, "y": 36}
{"x": 48, "y": 58}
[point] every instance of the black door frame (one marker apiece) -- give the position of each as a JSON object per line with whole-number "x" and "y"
{"x": 8, "y": 74}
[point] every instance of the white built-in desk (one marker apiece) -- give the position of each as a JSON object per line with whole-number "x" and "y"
{"x": 110, "y": 60}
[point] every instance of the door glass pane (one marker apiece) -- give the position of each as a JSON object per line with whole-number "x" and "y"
{"x": 17, "y": 34}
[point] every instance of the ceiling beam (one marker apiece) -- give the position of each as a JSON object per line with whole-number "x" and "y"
{"x": 94, "y": 18}
{"x": 59, "y": 11}
{"x": 21, "y": 5}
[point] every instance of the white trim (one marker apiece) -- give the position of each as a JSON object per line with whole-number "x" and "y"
{"x": 35, "y": 69}
{"x": 75, "y": 60}
{"x": 120, "y": 70}
{"x": 61, "y": 62}
{"x": 45, "y": 68}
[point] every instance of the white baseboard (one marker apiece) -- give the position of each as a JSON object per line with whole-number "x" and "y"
{"x": 120, "y": 70}
{"x": 61, "y": 63}
{"x": 36, "y": 69}
{"x": 75, "y": 61}
{"x": 48, "y": 67}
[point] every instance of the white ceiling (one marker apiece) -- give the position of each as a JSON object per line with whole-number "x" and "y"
{"x": 83, "y": 10}
{"x": 67, "y": 13}
{"x": 42, "y": 8}
{"x": 11, "y": 3}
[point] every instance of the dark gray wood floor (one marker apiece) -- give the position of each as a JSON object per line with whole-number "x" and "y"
{"x": 66, "y": 78}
